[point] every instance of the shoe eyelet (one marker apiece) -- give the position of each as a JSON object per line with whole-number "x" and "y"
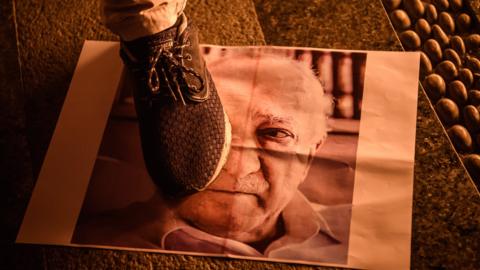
{"x": 188, "y": 57}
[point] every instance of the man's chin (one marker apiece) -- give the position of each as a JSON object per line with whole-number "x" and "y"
{"x": 241, "y": 228}
{"x": 234, "y": 215}
{"x": 244, "y": 237}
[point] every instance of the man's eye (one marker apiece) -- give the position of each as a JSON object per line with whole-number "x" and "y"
{"x": 275, "y": 133}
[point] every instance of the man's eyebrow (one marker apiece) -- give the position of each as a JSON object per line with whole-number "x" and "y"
{"x": 271, "y": 118}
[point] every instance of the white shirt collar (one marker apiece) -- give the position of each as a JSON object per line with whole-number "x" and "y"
{"x": 301, "y": 221}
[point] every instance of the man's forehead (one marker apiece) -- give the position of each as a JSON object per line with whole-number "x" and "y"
{"x": 263, "y": 68}
{"x": 270, "y": 89}
{"x": 264, "y": 101}
{"x": 267, "y": 75}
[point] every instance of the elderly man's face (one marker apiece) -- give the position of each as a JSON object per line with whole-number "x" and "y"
{"x": 272, "y": 145}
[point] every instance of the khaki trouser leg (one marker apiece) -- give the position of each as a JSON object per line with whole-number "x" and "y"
{"x": 131, "y": 19}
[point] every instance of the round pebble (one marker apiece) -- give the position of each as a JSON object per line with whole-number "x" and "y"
{"x": 474, "y": 97}
{"x": 461, "y": 139}
{"x": 410, "y": 40}
{"x": 433, "y": 50}
{"x": 472, "y": 163}
{"x": 476, "y": 80}
{"x": 431, "y": 13}
{"x": 425, "y": 65}
{"x": 447, "y": 70}
{"x": 464, "y": 22}
{"x": 423, "y": 29}
{"x": 446, "y": 22}
{"x": 472, "y": 42}
{"x": 391, "y": 4}
{"x": 457, "y": 92}
{"x": 456, "y": 43}
{"x": 414, "y": 8}
{"x": 473, "y": 63}
{"x": 456, "y": 5}
{"x": 441, "y": 5}
{"x": 447, "y": 111}
{"x": 451, "y": 55}
{"x": 471, "y": 117}
{"x": 400, "y": 20}
{"x": 440, "y": 36}
{"x": 434, "y": 86}
{"x": 466, "y": 76}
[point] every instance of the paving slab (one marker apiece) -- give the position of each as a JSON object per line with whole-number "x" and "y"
{"x": 326, "y": 24}
{"x": 15, "y": 164}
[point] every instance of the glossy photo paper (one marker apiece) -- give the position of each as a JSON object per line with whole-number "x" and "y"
{"x": 320, "y": 169}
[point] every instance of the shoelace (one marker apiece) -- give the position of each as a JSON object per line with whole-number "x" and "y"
{"x": 176, "y": 68}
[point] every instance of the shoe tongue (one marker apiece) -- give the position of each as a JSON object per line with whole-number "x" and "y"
{"x": 144, "y": 47}
{"x": 163, "y": 39}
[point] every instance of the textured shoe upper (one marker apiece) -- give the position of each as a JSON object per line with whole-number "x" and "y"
{"x": 181, "y": 119}
{"x": 173, "y": 61}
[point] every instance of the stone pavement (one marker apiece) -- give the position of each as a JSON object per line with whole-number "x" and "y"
{"x": 41, "y": 41}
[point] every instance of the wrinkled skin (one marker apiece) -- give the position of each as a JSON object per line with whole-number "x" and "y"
{"x": 273, "y": 141}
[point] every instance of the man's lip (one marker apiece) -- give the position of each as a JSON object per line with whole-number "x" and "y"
{"x": 251, "y": 184}
{"x": 233, "y": 192}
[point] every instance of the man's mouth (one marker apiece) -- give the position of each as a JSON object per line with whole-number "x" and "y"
{"x": 249, "y": 185}
{"x": 233, "y": 192}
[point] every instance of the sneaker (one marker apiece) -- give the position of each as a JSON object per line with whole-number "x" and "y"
{"x": 185, "y": 133}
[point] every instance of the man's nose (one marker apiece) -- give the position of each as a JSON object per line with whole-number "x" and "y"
{"x": 242, "y": 161}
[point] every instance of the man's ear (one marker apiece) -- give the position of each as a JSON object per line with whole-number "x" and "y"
{"x": 311, "y": 155}
{"x": 312, "y": 150}
{"x": 319, "y": 144}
